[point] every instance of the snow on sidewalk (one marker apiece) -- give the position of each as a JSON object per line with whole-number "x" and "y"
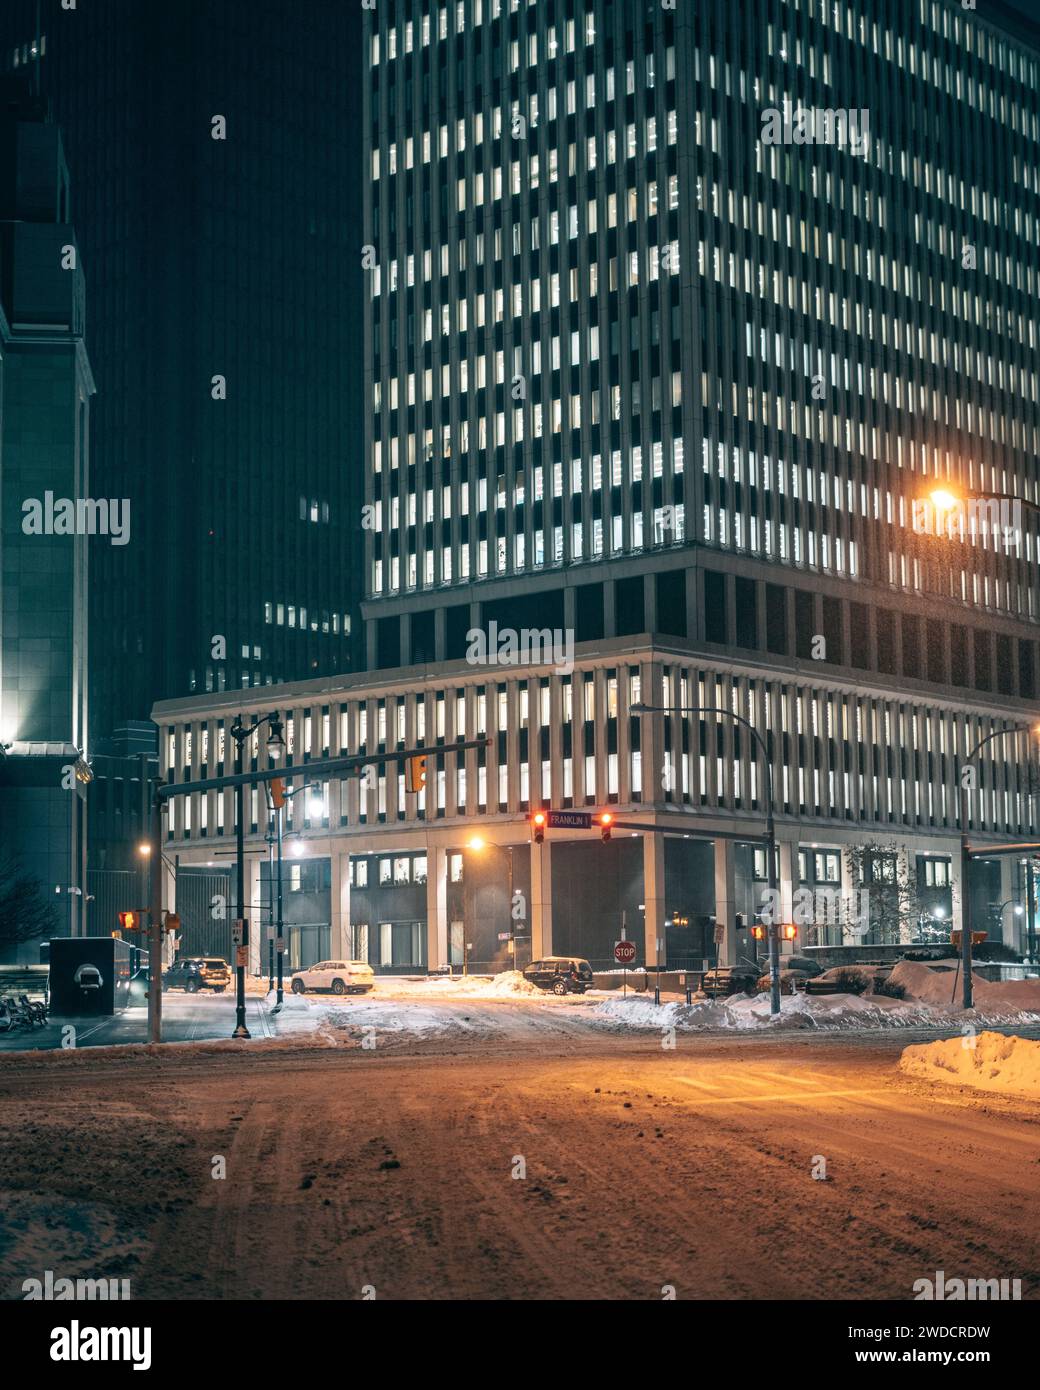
{"x": 984, "y": 1061}
{"x": 742, "y": 1013}
{"x": 810, "y": 1011}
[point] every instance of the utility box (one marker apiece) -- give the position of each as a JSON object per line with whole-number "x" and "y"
{"x": 90, "y": 975}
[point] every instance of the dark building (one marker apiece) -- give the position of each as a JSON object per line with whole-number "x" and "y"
{"x": 214, "y": 149}
{"x": 46, "y": 388}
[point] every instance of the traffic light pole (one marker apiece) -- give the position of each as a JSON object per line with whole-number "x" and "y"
{"x": 774, "y": 915}
{"x": 278, "y": 951}
{"x": 241, "y": 1031}
{"x": 155, "y": 925}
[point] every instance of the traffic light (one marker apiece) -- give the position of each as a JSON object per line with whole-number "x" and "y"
{"x": 790, "y": 931}
{"x": 128, "y": 921}
{"x": 415, "y": 773}
{"x": 538, "y": 823}
{"x": 605, "y": 822}
{"x": 277, "y": 792}
{"x": 758, "y": 931}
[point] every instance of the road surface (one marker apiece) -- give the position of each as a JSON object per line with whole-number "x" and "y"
{"x": 558, "y": 1162}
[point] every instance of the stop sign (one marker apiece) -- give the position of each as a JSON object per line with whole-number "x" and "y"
{"x": 624, "y": 952}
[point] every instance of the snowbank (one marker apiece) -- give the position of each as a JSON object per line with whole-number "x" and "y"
{"x": 508, "y": 982}
{"x": 986, "y": 1061}
{"x": 936, "y": 988}
{"x": 741, "y": 1013}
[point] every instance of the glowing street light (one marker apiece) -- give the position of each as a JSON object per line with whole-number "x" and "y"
{"x": 943, "y": 499}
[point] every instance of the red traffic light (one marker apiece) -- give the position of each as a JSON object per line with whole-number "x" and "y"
{"x": 606, "y": 820}
{"x": 790, "y": 931}
{"x": 758, "y": 931}
{"x": 539, "y": 820}
{"x": 128, "y": 921}
{"x": 277, "y": 792}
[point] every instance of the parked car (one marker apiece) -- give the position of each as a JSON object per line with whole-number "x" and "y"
{"x": 729, "y": 979}
{"x": 561, "y": 974}
{"x": 340, "y": 976}
{"x": 198, "y": 972}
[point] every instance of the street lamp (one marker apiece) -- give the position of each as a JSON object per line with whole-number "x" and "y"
{"x": 774, "y": 925}
{"x": 275, "y": 748}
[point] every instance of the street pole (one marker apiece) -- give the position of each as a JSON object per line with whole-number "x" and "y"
{"x": 774, "y": 924}
{"x": 155, "y": 927}
{"x": 241, "y": 1031}
{"x": 278, "y": 952}
{"x": 270, "y": 911}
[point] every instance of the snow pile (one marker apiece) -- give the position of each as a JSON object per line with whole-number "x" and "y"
{"x": 509, "y": 982}
{"x": 741, "y": 1013}
{"x": 986, "y": 1061}
{"x": 993, "y": 998}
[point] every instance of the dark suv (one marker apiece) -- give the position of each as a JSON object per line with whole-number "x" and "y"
{"x": 198, "y": 972}
{"x": 561, "y": 974}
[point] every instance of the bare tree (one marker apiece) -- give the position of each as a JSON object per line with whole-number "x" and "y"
{"x": 25, "y": 913}
{"x": 888, "y": 873}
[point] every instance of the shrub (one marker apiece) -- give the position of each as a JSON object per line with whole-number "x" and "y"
{"x": 849, "y": 981}
{"x": 891, "y": 989}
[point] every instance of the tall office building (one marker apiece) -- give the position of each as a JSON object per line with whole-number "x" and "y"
{"x": 212, "y": 148}
{"x": 46, "y": 389}
{"x": 704, "y": 337}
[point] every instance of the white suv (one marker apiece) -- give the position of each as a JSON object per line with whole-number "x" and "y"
{"x": 341, "y": 976}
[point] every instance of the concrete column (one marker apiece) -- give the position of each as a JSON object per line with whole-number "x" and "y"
{"x": 1011, "y": 924}
{"x": 440, "y": 634}
{"x": 340, "y": 944}
{"x": 761, "y": 616}
{"x": 957, "y": 894}
{"x": 787, "y": 853}
{"x": 541, "y": 900}
{"x": 406, "y": 639}
{"x": 695, "y": 604}
{"x": 653, "y": 898}
{"x": 650, "y": 602}
{"x": 372, "y": 644}
{"x": 726, "y": 899}
{"x": 257, "y": 925}
{"x": 436, "y": 907}
{"x": 169, "y": 901}
{"x": 609, "y": 609}
{"x": 570, "y": 608}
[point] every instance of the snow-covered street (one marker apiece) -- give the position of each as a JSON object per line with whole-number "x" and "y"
{"x": 565, "y": 1161}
